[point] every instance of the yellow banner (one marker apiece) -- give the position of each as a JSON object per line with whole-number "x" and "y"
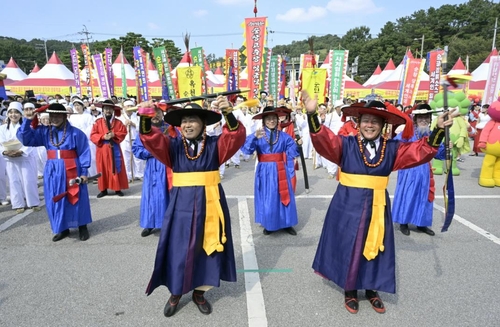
{"x": 314, "y": 81}
{"x": 189, "y": 80}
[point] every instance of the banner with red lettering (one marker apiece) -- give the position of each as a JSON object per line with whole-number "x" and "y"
{"x": 435, "y": 58}
{"x": 411, "y": 81}
{"x": 232, "y": 69}
{"x": 255, "y": 36}
{"x": 492, "y": 84}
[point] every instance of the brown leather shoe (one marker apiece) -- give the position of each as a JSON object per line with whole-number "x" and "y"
{"x": 203, "y": 305}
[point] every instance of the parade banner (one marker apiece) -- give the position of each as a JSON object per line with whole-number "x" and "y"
{"x": 88, "y": 69}
{"x": 255, "y": 36}
{"x": 306, "y": 61}
{"x": 266, "y": 61}
{"x": 313, "y": 80}
{"x": 163, "y": 66}
{"x": 232, "y": 69}
{"x": 282, "y": 82}
{"x": 492, "y": 83}
{"x": 434, "y": 66}
{"x": 199, "y": 60}
{"x": 101, "y": 75}
{"x": 273, "y": 77}
{"x": 338, "y": 70}
{"x": 190, "y": 81}
{"x": 141, "y": 77}
{"x": 124, "y": 76}
{"x": 411, "y": 81}
{"x": 108, "y": 57}
{"x": 76, "y": 71}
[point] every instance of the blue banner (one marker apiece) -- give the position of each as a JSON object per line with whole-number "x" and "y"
{"x": 140, "y": 66}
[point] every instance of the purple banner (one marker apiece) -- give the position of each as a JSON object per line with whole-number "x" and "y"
{"x": 101, "y": 75}
{"x": 109, "y": 71}
{"x": 140, "y": 66}
{"x": 76, "y": 71}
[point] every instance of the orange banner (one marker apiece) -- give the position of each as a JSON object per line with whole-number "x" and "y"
{"x": 411, "y": 81}
{"x": 255, "y": 36}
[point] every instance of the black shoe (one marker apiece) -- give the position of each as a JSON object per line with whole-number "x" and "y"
{"x": 171, "y": 305}
{"x": 375, "y": 301}
{"x": 84, "y": 233}
{"x": 426, "y": 230}
{"x": 237, "y": 166}
{"x": 119, "y": 193}
{"x": 61, "y": 235}
{"x": 404, "y": 229}
{"x": 102, "y": 193}
{"x": 267, "y": 232}
{"x": 351, "y": 301}
{"x": 203, "y": 305}
{"x": 291, "y": 231}
{"x": 146, "y": 232}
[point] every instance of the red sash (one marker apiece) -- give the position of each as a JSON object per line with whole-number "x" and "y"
{"x": 280, "y": 159}
{"x": 69, "y": 157}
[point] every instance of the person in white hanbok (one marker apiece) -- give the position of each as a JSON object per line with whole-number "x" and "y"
{"x": 134, "y": 166}
{"x": 84, "y": 121}
{"x": 20, "y": 163}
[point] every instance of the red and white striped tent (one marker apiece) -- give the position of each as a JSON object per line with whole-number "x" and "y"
{"x": 480, "y": 74}
{"x": 458, "y": 68}
{"x": 382, "y": 77}
{"x": 13, "y": 72}
{"x": 53, "y": 78}
{"x": 374, "y": 76}
{"x": 35, "y": 70}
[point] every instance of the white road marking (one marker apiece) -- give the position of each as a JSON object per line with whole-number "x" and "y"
{"x": 255, "y": 299}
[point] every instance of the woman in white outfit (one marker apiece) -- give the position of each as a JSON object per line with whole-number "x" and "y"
{"x": 20, "y": 163}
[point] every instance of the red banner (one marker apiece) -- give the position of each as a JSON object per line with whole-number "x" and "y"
{"x": 232, "y": 69}
{"x": 434, "y": 73}
{"x": 255, "y": 35}
{"x": 411, "y": 81}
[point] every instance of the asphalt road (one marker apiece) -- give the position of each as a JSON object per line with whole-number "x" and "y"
{"x": 451, "y": 279}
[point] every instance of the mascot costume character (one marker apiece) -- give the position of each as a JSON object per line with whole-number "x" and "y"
{"x": 489, "y": 143}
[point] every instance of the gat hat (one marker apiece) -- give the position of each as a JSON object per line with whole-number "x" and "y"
{"x": 15, "y": 105}
{"x": 386, "y": 111}
{"x": 422, "y": 109}
{"x": 263, "y": 92}
{"x": 174, "y": 117}
{"x": 56, "y": 108}
{"x": 110, "y": 103}
{"x": 270, "y": 110}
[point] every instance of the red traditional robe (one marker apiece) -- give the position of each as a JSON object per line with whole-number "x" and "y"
{"x": 113, "y": 177}
{"x": 348, "y": 128}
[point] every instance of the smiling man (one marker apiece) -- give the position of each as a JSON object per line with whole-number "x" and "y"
{"x": 195, "y": 250}
{"x": 356, "y": 249}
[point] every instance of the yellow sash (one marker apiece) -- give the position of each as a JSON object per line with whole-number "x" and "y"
{"x": 375, "y": 239}
{"x": 214, "y": 216}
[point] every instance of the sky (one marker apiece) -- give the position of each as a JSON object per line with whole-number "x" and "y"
{"x": 213, "y": 24}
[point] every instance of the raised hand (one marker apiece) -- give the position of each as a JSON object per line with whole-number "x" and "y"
{"x": 310, "y": 104}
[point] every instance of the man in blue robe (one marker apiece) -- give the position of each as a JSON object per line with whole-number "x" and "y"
{"x": 356, "y": 249}
{"x": 415, "y": 188}
{"x": 154, "y": 197}
{"x": 195, "y": 250}
{"x": 68, "y": 157}
{"x": 275, "y": 206}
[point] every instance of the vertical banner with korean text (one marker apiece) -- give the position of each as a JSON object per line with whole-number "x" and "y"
{"x": 101, "y": 75}
{"x": 88, "y": 70}
{"x": 264, "y": 77}
{"x": 255, "y": 35}
{"x": 411, "y": 81}
{"x": 163, "y": 66}
{"x": 189, "y": 80}
{"x": 140, "y": 69}
{"x": 199, "y": 60}
{"x": 314, "y": 81}
{"x": 124, "y": 76}
{"x": 76, "y": 71}
{"x": 232, "y": 69}
{"x": 434, "y": 64}
{"x": 338, "y": 68}
{"x": 109, "y": 70}
{"x": 282, "y": 83}
{"x": 273, "y": 77}
{"x": 492, "y": 84}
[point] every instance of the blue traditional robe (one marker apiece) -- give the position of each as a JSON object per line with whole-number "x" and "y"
{"x": 154, "y": 197}
{"x": 339, "y": 256}
{"x": 411, "y": 204}
{"x": 181, "y": 263}
{"x": 270, "y": 212}
{"x": 62, "y": 214}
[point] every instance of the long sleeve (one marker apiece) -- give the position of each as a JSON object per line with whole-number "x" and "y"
{"x": 411, "y": 154}
{"x": 230, "y": 142}
{"x": 140, "y": 151}
{"x": 29, "y": 136}
{"x": 158, "y": 145}
{"x": 327, "y": 144}
{"x": 250, "y": 144}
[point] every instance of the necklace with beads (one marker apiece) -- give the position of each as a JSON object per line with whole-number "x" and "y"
{"x": 382, "y": 154}
{"x": 63, "y": 137}
{"x": 184, "y": 142}
{"x": 275, "y": 141}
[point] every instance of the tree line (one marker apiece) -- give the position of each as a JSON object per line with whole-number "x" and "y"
{"x": 467, "y": 29}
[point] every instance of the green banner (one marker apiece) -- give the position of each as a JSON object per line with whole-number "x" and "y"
{"x": 274, "y": 78}
{"x": 199, "y": 60}
{"x": 264, "y": 70}
{"x": 163, "y": 66}
{"x": 124, "y": 77}
{"x": 338, "y": 68}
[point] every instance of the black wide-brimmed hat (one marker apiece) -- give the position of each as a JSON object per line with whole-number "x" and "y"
{"x": 270, "y": 110}
{"x": 110, "y": 103}
{"x": 422, "y": 109}
{"x": 174, "y": 117}
{"x": 56, "y": 108}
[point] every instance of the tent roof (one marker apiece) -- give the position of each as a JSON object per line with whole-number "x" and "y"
{"x": 117, "y": 68}
{"x": 374, "y": 76}
{"x": 54, "y": 73}
{"x": 382, "y": 77}
{"x": 13, "y": 72}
